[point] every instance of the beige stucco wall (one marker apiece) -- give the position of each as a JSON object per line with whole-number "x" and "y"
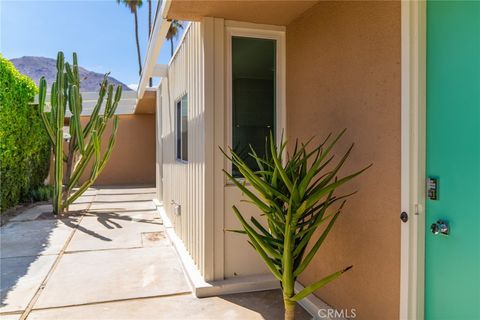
{"x": 343, "y": 70}
{"x": 132, "y": 161}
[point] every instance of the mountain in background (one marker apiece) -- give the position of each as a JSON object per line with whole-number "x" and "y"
{"x": 36, "y": 67}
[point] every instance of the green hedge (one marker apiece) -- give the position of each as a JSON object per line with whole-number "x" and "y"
{"x": 24, "y": 144}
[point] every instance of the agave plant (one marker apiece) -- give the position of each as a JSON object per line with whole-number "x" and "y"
{"x": 296, "y": 196}
{"x": 84, "y": 142}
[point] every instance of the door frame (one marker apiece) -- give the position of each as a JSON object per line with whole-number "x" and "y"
{"x": 413, "y": 151}
{"x": 260, "y": 31}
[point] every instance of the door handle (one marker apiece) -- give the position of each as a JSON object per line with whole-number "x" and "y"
{"x": 440, "y": 227}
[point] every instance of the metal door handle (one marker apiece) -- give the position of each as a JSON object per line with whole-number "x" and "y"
{"x": 440, "y": 227}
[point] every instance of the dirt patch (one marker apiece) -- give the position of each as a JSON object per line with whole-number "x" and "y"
{"x": 154, "y": 236}
{"x": 18, "y": 209}
{"x": 154, "y": 239}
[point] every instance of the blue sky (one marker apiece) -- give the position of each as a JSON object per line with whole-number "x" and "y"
{"x": 100, "y": 31}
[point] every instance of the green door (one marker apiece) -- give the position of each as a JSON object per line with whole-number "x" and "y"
{"x": 452, "y": 262}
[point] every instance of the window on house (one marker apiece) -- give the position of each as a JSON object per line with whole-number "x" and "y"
{"x": 181, "y": 129}
{"x": 253, "y": 96}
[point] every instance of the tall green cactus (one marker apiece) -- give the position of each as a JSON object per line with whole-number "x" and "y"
{"x": 85, "y": 142}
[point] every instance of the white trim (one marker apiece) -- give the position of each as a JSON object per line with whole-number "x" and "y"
{"x": 193, "y": 274}
{"x": 253, "y": 26}
{"x": 201, "y": 288}
{"x": 159, "y": 144}
{"x": 315, "y": 306}
{"x": 160, "y": 70}
{"x": 219, "y": 140}
{"x": 207, "y": 33}
{"x": 198, "y": 285}
{"x": 155, "y": 43}
{"x": 413, "y": 159}
{"x": 244, "y": 29}
{"x": 237, "y": 285}
{"x": 180, "y": 130}
{"x": 405, "y": 159}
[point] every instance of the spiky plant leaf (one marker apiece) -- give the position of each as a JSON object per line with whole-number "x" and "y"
{"x": 295, "y": 195}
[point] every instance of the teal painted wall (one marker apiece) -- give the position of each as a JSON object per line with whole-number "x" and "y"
{"x": 452, "y": 288}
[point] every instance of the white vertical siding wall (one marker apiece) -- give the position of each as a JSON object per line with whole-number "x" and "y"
{"x": 199, "y": 186}
{"x": 185, "y": 183}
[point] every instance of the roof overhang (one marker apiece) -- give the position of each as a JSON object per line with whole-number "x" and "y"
{"x": 160, "y": 70}
{"x": 275, "y": 12}
{"x": 155, "y": 43}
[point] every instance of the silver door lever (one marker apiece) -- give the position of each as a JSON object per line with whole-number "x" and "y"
{"x": 440, "y": 227}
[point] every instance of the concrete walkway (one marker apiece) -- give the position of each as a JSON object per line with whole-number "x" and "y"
{"x": 111, "y": 260}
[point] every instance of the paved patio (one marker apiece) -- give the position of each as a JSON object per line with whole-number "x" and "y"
{"x": 111, "y": 260}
